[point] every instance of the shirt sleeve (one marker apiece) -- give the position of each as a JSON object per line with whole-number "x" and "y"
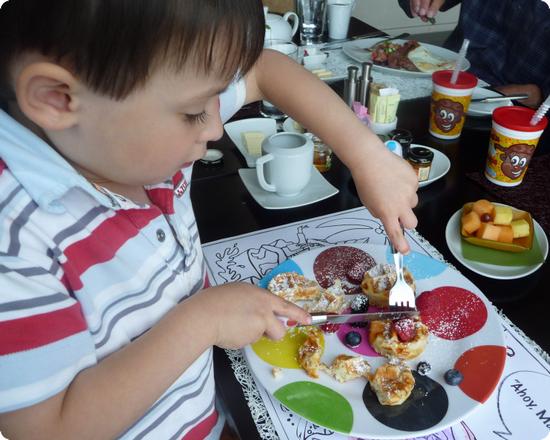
{"x": 44, "y": 338}
{"x": 232, "y": 99}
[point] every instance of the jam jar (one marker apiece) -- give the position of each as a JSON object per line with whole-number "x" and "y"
{"x": 322, "y": 155}
{"x": 421, "y": 160}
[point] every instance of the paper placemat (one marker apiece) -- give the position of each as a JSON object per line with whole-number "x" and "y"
{"x": 519, "y": 409}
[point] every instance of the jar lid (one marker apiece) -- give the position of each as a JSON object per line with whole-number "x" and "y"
{"x": 420, "y": 155}
{"x": 517, "y": 118}
{"x": 212, "y": 157}
{"x": 464, "y": 80}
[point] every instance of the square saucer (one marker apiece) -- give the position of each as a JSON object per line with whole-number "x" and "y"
{"x": 316, "y": 190}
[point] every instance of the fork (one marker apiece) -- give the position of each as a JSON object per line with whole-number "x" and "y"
{"x": 401, "y": 294}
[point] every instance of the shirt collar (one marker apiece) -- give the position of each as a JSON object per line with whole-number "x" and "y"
{"x": 41, "y": 170}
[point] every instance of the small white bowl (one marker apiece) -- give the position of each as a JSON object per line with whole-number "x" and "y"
{"x": 383, "y": 128}
{"x": 315, "y": 61}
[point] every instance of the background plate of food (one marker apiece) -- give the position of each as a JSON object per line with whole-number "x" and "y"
{"x": 402, "y": 57}
{"x": 459, "y": 327}
{"x": 494, "y": 262}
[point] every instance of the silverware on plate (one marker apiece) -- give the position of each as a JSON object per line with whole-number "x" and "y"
{"x": 500, "y": 98}
{"x": 356, "y": 317}
{"x": 401, "y": 294}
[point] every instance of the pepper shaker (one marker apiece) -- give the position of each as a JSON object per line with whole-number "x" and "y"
{"x": 350, "y": 85}
{"x": 365, "y": 81}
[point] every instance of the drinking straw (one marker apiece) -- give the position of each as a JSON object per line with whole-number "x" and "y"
{"x": 460, "y": 60}
{"x": 541, "y": 111}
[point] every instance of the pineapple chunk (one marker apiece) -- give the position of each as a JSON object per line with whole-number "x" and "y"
{"x": 252, "y": 140}
{"x": 487, "y": 231}
{"x": 503, "y": 215}
{"x": 520, "y": 228}
{"x": 470, "y": 223}
{"x": 483, "y": 206}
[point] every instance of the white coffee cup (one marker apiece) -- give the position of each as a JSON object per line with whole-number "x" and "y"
{"x": 285, "y": 167}
{"x": 339, "y": 14}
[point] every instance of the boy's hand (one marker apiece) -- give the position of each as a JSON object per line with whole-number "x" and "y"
{"x": 242, "y": 313}
{"x": 389, "y": 196}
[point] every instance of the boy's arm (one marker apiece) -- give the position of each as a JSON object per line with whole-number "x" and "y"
{"x": 106, "y": 399}
{"x": 386, "y": 184}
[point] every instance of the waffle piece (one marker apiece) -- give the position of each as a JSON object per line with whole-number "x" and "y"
{"x": 392, "y": 384}
{"x": 345, "y": 367}
{"x": 308, "y": 294}
{"x": 309, "y": 353}
{"x": 378, "y": 281}
{"x": 385, "y": 339}
{"x": 294, "y": 287}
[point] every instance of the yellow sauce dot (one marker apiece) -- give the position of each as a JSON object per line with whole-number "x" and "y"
{"x": 283, "y": 353}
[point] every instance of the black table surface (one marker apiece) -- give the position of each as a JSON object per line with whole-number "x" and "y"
{"x": 224, "y": 208}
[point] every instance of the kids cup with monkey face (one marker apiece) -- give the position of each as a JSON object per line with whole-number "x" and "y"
{"x": 138, "y": 78}
{"x": 512, "y": 143}
{"x": 450, "y": 103}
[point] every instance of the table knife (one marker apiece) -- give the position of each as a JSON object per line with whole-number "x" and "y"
{"x": 500, "y": 98}
{"x": 356, "y": 317}
{"x": 333, "y": 45}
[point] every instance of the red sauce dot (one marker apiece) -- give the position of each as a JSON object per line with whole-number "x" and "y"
{"x": 452, "y": 312}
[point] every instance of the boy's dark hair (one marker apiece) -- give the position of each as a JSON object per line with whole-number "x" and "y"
{"x": 114, "y": 45}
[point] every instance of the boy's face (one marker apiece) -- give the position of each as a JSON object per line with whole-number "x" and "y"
{"x": 148, "y": 136}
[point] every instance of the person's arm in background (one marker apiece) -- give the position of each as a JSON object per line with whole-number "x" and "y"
{"x": 426, "y": 9}
{"x": 385, "y": 183}
{"x": 535, "y": 93}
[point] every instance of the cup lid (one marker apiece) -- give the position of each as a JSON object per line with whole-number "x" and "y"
{"x": 465, "y": 80}
{"x": 517, "y": 118}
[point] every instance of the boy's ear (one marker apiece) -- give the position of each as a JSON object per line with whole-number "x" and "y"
{"x": 47, "y": 95}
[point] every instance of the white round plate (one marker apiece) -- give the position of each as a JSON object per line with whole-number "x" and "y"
{"x": 355, "y": 50}
{"x": 454, "y": 240}
{"x": 485, "y": 109}
{"x": 440, "y": 166}
{"x": 350, "y": 407}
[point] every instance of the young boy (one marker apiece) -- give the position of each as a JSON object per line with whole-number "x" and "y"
{"x": 106, "y": 317}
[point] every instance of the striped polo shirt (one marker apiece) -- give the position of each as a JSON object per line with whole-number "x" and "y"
{"x": 84, "y": 272}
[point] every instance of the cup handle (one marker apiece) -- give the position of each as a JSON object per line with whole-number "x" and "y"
{"x": 295, "y": 21}
{"x": 260, "y": 172}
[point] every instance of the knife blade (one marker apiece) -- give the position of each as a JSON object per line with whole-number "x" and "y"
{"x": 500, "y": 98}
{"x": 356, "y": 317}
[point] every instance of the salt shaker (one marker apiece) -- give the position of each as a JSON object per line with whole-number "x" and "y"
{"x": 350, "y": 86}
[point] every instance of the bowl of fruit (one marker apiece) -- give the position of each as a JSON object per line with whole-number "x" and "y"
{"x": 496, "y": 226}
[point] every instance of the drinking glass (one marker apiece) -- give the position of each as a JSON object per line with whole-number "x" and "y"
{"x": 312, "y": 14}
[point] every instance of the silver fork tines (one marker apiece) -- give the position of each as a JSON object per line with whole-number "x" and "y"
{"x": 401, "y": 294}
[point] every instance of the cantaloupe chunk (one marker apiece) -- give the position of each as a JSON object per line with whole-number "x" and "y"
{"x": 506, "y": 234}
{"x": 520, "y": 228}
{"x": 503, "y": 215}
{"x": 470, "y": 223}
{"x": 483, "y": 206}
{"x": 488, "y": 231}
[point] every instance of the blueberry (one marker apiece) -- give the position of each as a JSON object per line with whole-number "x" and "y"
{"x": 453, "y": 377}
{"x": 353, "y": 339}
{"x": 423, "y": 368}
{"x": 359, "y": 304}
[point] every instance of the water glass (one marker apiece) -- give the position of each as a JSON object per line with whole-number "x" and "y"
{"x": 312, "y": 14}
